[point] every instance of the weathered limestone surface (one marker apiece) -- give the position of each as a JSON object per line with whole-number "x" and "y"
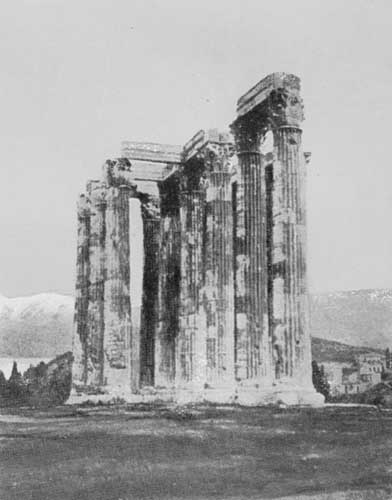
{"x": 117, "y": 311}
{"x": 95, "y": 311}
{"x": 218, "y": 290}
{"x": 224, "y": 314}
{"x": 252, "y": 340}
{"x": 191, "y": 341}
{"x": 290, "y": 337}
{"x": 208, "y": 170}
{"x": 79, "y": 371}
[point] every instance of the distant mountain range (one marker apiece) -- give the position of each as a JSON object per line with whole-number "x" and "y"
{"x": 36, "y": 326}
{"x": 41, "y": 325}
{"x": 328, "y": 350}
{"x": 358, "y": 318}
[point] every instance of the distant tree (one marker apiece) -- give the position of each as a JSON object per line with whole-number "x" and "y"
{"x": 40, "y": 386}
{"x": 319, "y": 380}
{"x": 3, "y": 383}
{"x": 15, "y": 375}
{"x": 15, "y": 388}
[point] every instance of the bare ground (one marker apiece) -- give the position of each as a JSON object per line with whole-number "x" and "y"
{"x": 199, "y": 453}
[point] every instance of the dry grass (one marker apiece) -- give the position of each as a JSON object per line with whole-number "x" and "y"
{"x": 204, "y": 453}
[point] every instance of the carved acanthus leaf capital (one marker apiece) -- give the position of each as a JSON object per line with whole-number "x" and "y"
{"x": 150, "y": 206}
{"x": 248, "y": 131}
{"x": 218, "y": 157}
{"x": 285, "y": 108}
{"x": 97, "y": 192}
{"x": 118, "y": 173}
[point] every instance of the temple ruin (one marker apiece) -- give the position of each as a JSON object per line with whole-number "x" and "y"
{"x": 224, "y": 310}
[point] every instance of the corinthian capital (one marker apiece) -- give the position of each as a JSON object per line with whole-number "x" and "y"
{"x": 248, "y": 131}
{"x": 97, "y": 192}
{"x": 118, "y": 173}
{"x": 218, "y": 156}
{"x": 272, "y": 103}
{"x": 211, "y": 149}
{"x": 285, "y": 108}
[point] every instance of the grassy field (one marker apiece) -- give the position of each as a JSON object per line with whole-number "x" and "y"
{"x": 204, "y": 453}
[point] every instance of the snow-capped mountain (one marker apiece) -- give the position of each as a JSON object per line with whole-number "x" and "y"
{"x": 36, "y": 326}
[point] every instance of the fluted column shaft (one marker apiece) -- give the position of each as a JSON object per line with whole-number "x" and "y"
{"x": 252, "y": 339}
{"x": 117, "y": 369}
{"x": 95, "y": 314}
{"x": 79, "y": 347}
{"x": 291, "y": 341}
{"x": 169, "y": 286}
{"x": 191, "y": 343}
{"x": 218, "y": 292}
{"x": 151, "y": 231}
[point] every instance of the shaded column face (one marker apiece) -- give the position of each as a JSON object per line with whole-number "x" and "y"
{"x": 79, "y": 344}
{"x": 151, "y": 231}
{"x": 169, "y": 262}
{"x": 136, "y": 251}
{"x": 95, "y": 313}
{"x": 251, "y": 340}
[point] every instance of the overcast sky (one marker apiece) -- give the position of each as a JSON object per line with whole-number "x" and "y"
{"x": 80, "y": 76}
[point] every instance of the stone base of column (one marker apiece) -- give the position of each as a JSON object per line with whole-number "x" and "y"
{"x": 188, "y": 394}
{"x": 80, "y": 388}
{"x": 146, "y": 395}
{"x": 245, "y": 395}
{"x": 220, "y": 395}
{"x": 117, "y": 380}
{"x": 287, "y": 394}
{"x": 214, "y": 395}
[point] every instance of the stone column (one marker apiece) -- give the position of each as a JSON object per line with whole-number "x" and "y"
{"x": 191, "y": 342}
{"x": 168, "y": 285}
{"x": 95, "y": 313}
{"x": 219, "y": 286}
{"x": 252, "y": 339}
{"x": 117, "y": 346}
{"x": 79, "y": 343}
{"x": 291, "y": 339}
{"x": 151, "y": 231}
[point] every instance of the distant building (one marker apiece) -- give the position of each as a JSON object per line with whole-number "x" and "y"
{"x": 350, "y": 380}
{"x": 358, "y": 376}
{"x": 333, "y": 371}
{"x": 370, "y": 368}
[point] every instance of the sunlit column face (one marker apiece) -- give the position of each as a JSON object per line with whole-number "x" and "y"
{"x": 136, "y": 251}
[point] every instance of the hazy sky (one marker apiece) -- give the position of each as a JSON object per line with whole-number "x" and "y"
{"x": 79, "y": 76}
